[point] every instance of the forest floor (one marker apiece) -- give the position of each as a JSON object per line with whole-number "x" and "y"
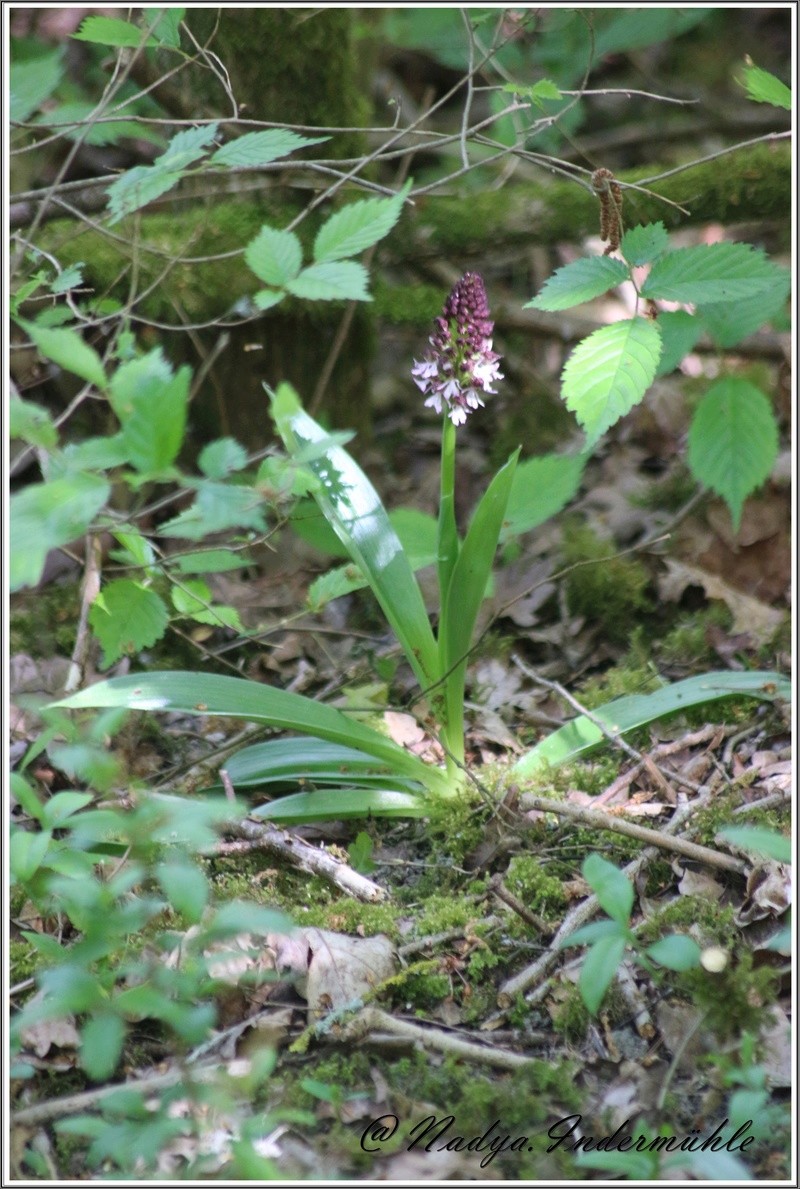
{"x": 439, "y": 993}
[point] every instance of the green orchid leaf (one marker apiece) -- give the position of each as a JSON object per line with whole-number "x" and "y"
{"x": 341, "y": 805}
{"x": 580, "y": 736}
{"x": 210, "y": 693}
{"x": 354, "y": 510}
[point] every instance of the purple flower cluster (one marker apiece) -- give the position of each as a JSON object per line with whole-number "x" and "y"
{"x": 462, "y": 363}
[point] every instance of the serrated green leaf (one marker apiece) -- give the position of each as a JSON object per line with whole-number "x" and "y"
{"x": 136, "y": 549}
{"x": 151, "y": 404}
{"x": 45, "y": 516}
{"x": 541, "y": 488}
{"x": 760, "y": 841}
{"x": 643, "y": 244}
{"x": 259, "y": 148}
{"x": 265, "y": 299}
{"x": 710, "y": 273}
{"x": 222, "y": 457}
{"x": 31, "y": 423}
{"x": 334, "y": 281}
{"x": 679, "y": 333}
{"x": 581, "y": 735}
{"x": 613, "y": 889}
{"x": 102, "y": 1038}
{"x": 112, "y": 32}
{"x": 763, "y": 87}
{"x": 187, "y": 146}
{"x": 104, "y": 132}
{"x": 68, "y": 278}
{"x": 32, "y": 81}
{"x": 193, "y": 598}
{"x": 139, "y": 187}
{"x": 209, "y": 693}
{"x": 96, "y": 454}
{"x": 733, "y": 441}
{"x": 217, "y": 506}
{"x": 598, "y": 970}
{"x": 580, "y": 281}
{"x": 66, "y": 348}
{"x": 164, "y": 25}
{"x": 274, "y": 256}
{"x": 609, "y": 372}
{"x": 730, "y": 322}
{"x": 545, "y": 89}
{"x": 358, "y": 226}
{"x": 334, "y": 585}
{"x": 127, "y": 617}
{"x": 353, "y": 508}
{"x": 186, "y": 888}
{"x": 211, "y": 561}
{"x": 676, "y": 952}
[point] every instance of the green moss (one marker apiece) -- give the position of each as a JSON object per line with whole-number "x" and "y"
{"x": 416, "y": 305}
{"x": 688, "y": 643}
{"x": 713, "y": 920}
{"x": 607, "y": 589}
{"x": 43, "y": 622}
{"x": 571, "y": 1017}
{"x": 529, "y": 881}
{"x": 733, "y": 1000}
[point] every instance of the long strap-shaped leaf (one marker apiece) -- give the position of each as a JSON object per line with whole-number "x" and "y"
{"x": 210, "y": 693}
{"x": 465, "y": 594}
{"x": 353, "y": 508}
{"x": 580, "y": 736}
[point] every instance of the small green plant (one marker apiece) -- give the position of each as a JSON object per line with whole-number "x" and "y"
{"x": 610, "y": 939}
{"x": 731, "y": 289}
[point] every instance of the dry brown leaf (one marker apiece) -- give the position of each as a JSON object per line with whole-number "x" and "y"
{"x": 759, "y": 621}
{"x": 769, "y": 893}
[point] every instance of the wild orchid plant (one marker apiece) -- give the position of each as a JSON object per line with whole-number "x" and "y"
{"x": 336, "y": 750}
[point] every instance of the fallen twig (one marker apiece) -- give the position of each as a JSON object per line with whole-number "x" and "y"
{"x": 618, "y": 825}
{"x": 372, "y": 1019}
{"x": 311, "y": 859}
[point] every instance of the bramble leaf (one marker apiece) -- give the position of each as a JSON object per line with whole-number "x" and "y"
{"x": 733, "y": 441}
{"x": 580, "y": 281}
{"x": 609, "y": 372}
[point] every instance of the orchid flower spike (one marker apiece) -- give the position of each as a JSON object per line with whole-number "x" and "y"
{"x": 462, "y": 364}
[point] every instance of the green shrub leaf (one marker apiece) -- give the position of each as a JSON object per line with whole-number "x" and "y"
{"x": 710, "y": 273}
{"x": 598, "y": 970}
{"x": 66, "y": 348}
{"x": 45, "y": 516}
{"x": 186, "y": 888}
{"x": 102, "y": 1038}
{"x": 614, "y": 890}
{"x": 358, "y": 226}
{"x": 113, "y": 32}
{"x": 609, "y": 372}
{"x": 580, "y": 281}
{"x": 332, "y": 281}
{"x": 763, "y": 87}
{"x": 31, "y": 423}
{"x": 274, "y": 256}
{"x": 643, "y": 244}
{"x": 259, "y": 148}
{"x": 733, "y": 441}
{"x": 127, "y": 617}
{"x": 220, "y": 458}
{"x": 679, "y": 333}
{"x": 32, "y": 81}
{"x": 541, "y": 487}
{"x": 676, "y": 952}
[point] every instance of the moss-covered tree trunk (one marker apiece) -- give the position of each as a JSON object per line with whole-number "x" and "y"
{"x": 289, "y": 66}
